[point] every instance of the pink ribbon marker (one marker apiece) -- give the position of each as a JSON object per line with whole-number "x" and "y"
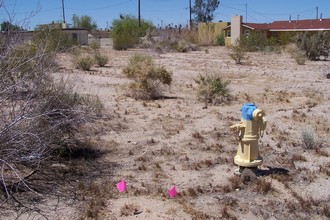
{"x": 121, "y": 186}
{"x": 172, "y": 192}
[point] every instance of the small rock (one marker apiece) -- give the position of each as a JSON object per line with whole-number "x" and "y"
{"x": 328, "y": 76}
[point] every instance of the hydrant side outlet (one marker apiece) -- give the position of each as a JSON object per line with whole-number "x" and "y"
{"x": 249, "y": 129}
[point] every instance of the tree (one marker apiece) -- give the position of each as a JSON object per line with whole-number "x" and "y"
{"x": 7, "y": 26}
{"x": 204, "y": 9}
{"x": 84, "y": 22}
{"x": 126, "y": 32}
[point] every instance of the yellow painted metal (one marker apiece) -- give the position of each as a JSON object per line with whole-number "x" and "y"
{"x": 249, "y": 132}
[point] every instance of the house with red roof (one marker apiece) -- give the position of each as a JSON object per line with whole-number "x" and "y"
{"x": 276, "y": 29}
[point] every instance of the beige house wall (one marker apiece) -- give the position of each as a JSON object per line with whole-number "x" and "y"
{"x": 236, "y": 28}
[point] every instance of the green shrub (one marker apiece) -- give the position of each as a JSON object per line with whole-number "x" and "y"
{"x": 315, "y": 45}
{"x": 254, "y": 42}
{"x": 101, "y": 60}
{"x": 52, "y": 38}
{"x": 212, "y": 88}
{"x": 148, "y": 78}
{"x": 238, "y": 52}
{"x": 126, "y": 32}
{"x": 309, "y": 139}
{"x": 94, "y": 45}
{"x": 84, "y": 62}
{"x": 220, "y": 40}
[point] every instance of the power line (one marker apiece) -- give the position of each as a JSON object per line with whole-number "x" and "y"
{"x": 100, "y": 8}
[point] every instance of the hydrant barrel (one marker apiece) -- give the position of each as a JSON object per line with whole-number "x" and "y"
{"x": 251, "y": 125}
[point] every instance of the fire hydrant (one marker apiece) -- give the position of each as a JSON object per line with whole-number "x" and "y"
{"x": 250, "y": 129}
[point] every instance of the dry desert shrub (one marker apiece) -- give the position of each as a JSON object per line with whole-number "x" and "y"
{"x": 238, "y": 52}
{"x": 100, "y": 59}
{"x": 309, "y": 139}
{"x": 83, "y": 62}
{"x": 38, "y": 114}
{"x": 147, "y": 77}
{"x": 212, "y": 88}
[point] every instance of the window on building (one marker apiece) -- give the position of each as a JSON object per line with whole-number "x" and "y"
{"x": 275, "y": 34}
{"x": 228, "y": 33}
{"x": 247, "y": 32}
{"x": 74, "y": 36}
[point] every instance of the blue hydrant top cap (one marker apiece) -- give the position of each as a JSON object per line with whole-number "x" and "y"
{"x": 247, "y": 111}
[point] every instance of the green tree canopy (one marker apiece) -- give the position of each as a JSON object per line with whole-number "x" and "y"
{"x": 7, "y": 26}
{"x": 204, "y": 10}
{"x": 84, "y": 22}
{"x": 126, "y": 32}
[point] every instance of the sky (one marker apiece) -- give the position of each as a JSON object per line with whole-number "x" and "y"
{"x": 29, "y": 13}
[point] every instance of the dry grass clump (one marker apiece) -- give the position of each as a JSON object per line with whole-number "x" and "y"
{"x": 95, "y": 196}
{"x": 100, "y": 59}
{"x": 263, "y": 186}
{"x": 298, "y": 157}
{"x": 225, "y": 214}
{"x": 309, "y": 139}
{"x": 193, "y": 212}
{"x": 84, "y": 63}
{"x": 129, "y": 210}
{"x": 148, "y": 78}
{"x": 197, "y": 135}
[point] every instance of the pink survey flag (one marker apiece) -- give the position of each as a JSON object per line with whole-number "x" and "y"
{"x": 172, "y": 192}
{"x": 121, "y": 186}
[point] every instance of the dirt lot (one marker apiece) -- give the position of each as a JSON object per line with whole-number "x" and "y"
{"x": 179, "y": 141}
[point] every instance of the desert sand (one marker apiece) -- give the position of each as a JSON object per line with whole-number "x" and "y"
{"x": 180, "y": 141}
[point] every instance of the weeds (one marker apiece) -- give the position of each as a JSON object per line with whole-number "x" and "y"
{"x": 238, "y": 52}
{"x": 308, "y": 139}
{"x": 129, "y": 210}
{"x": 263, "y": 186}
{"x": 147, "y": 77}
{"x": 101, "y": 60}
{"x": 212, "y": 88}
{"x": 84, "y": 62}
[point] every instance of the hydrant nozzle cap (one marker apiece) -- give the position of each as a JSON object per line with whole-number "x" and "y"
{"x": 258, "y": 114}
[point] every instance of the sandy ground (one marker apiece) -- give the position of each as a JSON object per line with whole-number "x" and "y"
{"x": 154, "y": 145}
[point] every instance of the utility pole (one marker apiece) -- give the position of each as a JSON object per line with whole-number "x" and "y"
{"x": 246, "y": 12}
{"x": 190, "y": 21}
{"x": 317, "y": 12}
{"x": 63, "y": 11}
{"x": 139, "y": 13}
